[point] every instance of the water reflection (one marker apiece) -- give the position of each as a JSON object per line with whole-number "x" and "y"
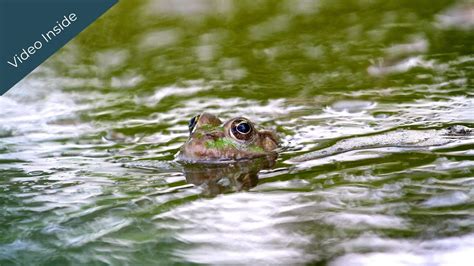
{"x": 216, "y": 179}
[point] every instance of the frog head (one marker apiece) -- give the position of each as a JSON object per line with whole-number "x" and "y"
{"x": 211, "y": 140}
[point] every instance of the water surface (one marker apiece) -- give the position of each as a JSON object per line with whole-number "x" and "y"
{"x": 87, "y": 141}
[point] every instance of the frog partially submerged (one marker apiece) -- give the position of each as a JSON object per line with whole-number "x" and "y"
{"x": 238, "y": 139}
{"x": 245, "y": 150}
{"x": 211, "y": 140}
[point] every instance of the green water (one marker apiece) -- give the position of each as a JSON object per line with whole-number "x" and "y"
{"x": 87, "y": 141}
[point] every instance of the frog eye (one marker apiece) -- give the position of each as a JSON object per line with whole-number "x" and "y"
{"x": 241, "y": 129}
{"x": 192, "y": 123}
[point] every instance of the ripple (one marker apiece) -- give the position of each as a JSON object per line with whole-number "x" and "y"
{"x": 446, "y": 199}
{"x": 242, "y": 221}
{"x": 459, "y": 16}
{"x": 384, "y": 68}
{"x": 447, "y": 251}
{"x": 92, "y": 231}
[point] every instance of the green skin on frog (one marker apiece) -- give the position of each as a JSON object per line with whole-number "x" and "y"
{"x": 211, "y": 140}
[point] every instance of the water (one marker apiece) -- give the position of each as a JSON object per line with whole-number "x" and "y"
{"x": 87, "y": 141}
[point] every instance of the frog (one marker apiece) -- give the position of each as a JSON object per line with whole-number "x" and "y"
{"x": 213, "y": 141}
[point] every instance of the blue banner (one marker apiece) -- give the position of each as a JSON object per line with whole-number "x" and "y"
{"x": 33, "y": 30}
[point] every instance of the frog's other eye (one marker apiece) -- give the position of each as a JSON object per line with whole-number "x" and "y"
{"x": 192, "y": 123}
{"x": 242, "y": 129}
